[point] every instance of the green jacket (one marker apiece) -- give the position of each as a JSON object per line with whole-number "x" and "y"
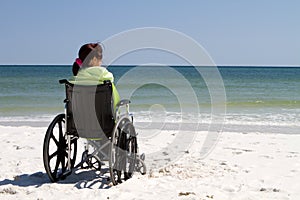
{"x": 94, "y": 76}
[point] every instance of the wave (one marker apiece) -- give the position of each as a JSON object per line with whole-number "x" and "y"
{"x": 265, "y": 103}
{"x": 283, "y": 119}
{"x": 277, "y": 123}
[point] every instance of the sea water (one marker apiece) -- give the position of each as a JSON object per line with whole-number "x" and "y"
{"x": 253, "y": 95}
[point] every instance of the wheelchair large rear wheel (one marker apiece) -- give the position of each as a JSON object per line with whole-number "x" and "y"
{"x": 55, "y": 150}
{"x": 123, "y": 153}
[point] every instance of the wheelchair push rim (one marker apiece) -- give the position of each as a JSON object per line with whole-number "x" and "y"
{"x": 55, "y": 149}
{"x": 123, "y": 152}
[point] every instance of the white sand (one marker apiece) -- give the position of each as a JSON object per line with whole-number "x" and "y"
{"x": 241, "y": 166}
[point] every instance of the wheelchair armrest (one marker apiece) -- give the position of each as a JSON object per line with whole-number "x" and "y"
{"x": 63, "y": 81}
{"x": 123, "y": 102}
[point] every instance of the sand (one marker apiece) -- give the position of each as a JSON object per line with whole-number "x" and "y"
{"x": 242, "y": 165}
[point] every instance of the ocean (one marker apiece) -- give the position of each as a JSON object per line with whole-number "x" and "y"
{"x": 254, "y": 95}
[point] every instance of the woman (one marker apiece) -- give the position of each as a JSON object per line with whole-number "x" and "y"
{"x": 87, "y": 69}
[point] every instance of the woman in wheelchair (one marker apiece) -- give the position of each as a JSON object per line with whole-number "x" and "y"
{"x": 92, "y": 111}
{"x": 87, "y": 69}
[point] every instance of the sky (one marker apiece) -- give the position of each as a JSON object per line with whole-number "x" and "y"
{"x": 233, "y": 32}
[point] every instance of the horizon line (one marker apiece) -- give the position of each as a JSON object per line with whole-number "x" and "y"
{"x": 175, "y": 65}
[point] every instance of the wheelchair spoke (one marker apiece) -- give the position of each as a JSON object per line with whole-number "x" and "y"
{"x": 63, "y": 164}
{"x": 52, "y": 155}
{"x": 95, "y": 162}
{"x": 65, "y": 154}
{"x": 54, "y": 139}
{"x": 56, "y": 167}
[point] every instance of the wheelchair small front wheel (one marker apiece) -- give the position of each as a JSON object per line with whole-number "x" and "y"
{"x": 91, "y": 161}
{"x": 55, "y": 149}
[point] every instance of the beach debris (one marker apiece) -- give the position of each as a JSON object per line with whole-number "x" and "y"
{"x": 223, "y": 163}
{"x": 8, "y": 191}
{"x": 164, "y": 170}
{"x": 273, "y": 190}
{"x": 276, "y": 190}
{"x": 293, "y": 152}
{"x": 262, "y": 189}
{"x": 186, "y": 193}
{"x": 210, "y": 196}
{"x": 17, "y": 147}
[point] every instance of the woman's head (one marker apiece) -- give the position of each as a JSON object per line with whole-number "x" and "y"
{"x": 89, "y": 55}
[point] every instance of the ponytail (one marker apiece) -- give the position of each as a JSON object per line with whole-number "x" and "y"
{"x": 75, "y": 68}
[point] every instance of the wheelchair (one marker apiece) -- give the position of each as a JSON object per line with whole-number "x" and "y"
{"x": 109, "y": 132}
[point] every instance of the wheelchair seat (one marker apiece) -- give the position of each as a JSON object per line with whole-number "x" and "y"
{"x": 89, "y": 109}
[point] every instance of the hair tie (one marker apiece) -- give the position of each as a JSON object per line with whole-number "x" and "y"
{"x": 78, "y": 61}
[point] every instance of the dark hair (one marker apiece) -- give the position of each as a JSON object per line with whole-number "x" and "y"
{"x": 85, "y": 54}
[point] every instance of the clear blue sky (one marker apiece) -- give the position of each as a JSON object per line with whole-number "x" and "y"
{"x": 254, "y": 32}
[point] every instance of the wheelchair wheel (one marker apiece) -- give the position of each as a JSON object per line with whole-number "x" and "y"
{"x": 55, "y": 150}
{"x": 91, "y": 161}
{"x": 123, "y": 153}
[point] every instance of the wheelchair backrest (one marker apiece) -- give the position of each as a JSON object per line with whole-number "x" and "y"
{"x": 89, "y": 110}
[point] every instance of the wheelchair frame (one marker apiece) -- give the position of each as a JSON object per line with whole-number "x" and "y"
{"x": 121, "y": 151}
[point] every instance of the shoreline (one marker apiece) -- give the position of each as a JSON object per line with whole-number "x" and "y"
{"x": 227, "y": 127}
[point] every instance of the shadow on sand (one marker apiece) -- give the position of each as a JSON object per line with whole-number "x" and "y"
{"x": 80, "y": 178}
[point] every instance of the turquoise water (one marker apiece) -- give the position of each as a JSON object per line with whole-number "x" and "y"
{"x": 253, "y": 94}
